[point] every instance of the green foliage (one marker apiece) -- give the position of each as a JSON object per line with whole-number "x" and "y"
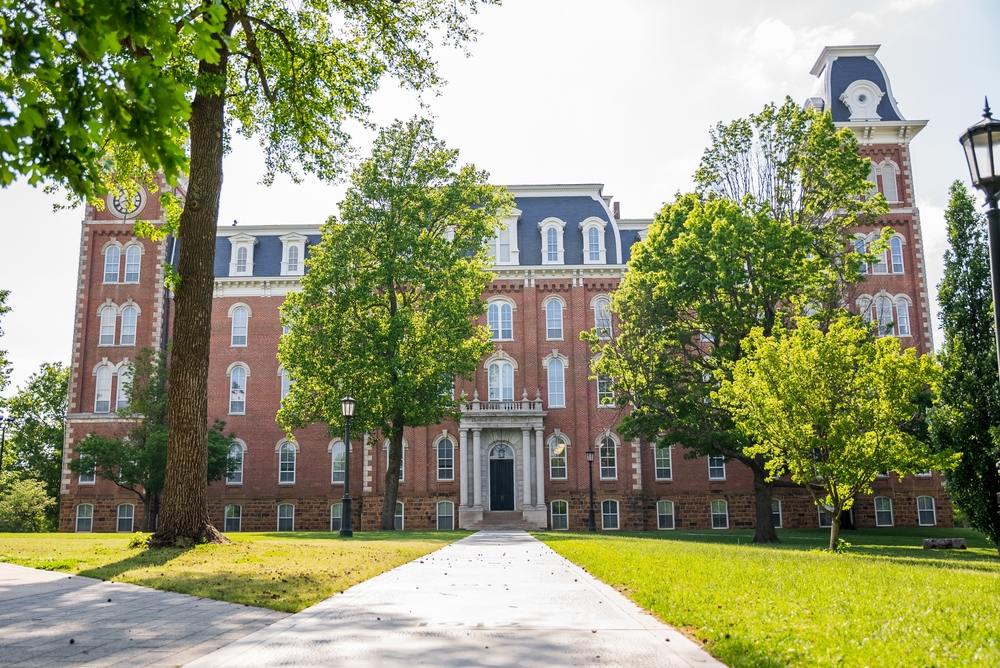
{"x": 4, "y": 362}
{"x": 828, "y": 408}
{"x": 139, "y": 541}
{"x": 135, "y": 459}
{"x": 970, "y": 394}
{"x": 386, "y": 309}
{"x": 24, "y": 504}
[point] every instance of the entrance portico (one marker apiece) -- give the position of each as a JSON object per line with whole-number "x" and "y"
{"x": 501, "y": 460}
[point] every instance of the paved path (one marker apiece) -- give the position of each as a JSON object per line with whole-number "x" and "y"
{"x": 40, "y": 611}
{"x": 492, "y": 599}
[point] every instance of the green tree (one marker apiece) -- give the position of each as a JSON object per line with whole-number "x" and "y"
{"x": 387, "y": 307}
{"x": 35, "y": 444}
{"x": 4, "y": 362}
{"x": 753, "y": 248}
{"x": 24, "y": 505}
{"x": 829, "y": 408}
{"x": 89, "y": 79}
{"x": 970, "y": 396}
{"x": 135, "y": 459}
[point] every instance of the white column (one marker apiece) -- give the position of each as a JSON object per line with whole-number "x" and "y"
{"x": 540, "y": 466}
{"x": 526, "y": 464}
{"x": 463, "y": 467}
{"x": 477, "y": 459}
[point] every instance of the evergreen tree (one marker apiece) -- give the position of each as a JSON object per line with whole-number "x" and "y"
{"x": 970, "y": 397}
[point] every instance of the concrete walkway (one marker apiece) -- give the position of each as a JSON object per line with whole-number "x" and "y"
{"x": 111, "y": 623}
{"x": 492, "y": 599}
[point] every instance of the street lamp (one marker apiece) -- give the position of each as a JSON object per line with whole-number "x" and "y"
{"x": 980, "y": 142}
{"x": 590, "y": 467}
{"x": 4, "y": 423}
{"x": 346, "y": 530}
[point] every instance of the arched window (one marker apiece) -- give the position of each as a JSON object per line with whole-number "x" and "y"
{"x": 880, "y": 266}
{"x": 902, "y": 318}
{"x": 896, "y": 253}
{"x": 501, "y": 380}
{"x": 500, "y": 245}
{"x": 126, "y": 515}
{"x": 873, "y": 179}
{"x": 102, "y": 398}
{"x": 336, "y": 516}
{"x": 554, "y": 320}
{"x": 286, "y": 384}
{"x": 560, "y": 515}
{"x": 286, "y": 517}
{"x": 339, "y": 453}
{"x": 889, "y": 183}
{"x": 84, "y": 518}
{"x": 293, "y": 259}
{"x": 240, "y": 318}
{"x": 926, "y": 512}
{"x": 557, "y": 385}
{"x": 445, "y": 515}
{"x": 235, "y": 476}
{"x": 238, "y": 391}
{"x": 602, "y": 317}
{"x": 883, "y": 314}
{"x": 124, "y": 384}
{"x": 241, "y": 259}
{"x": 557, "y": 458}
{"x": 720, "y": 514}
{"x": 664, "y": 514}
{"x": 860, "y": 249}
{"x": 445, "y": 459}
{"x": 500, "y": 317}
{"x": 594, "y": 244}
{"x": 664, "y": 468}
{"x": 129, "y": 317}
{"x": 397, "y": 521}
{"x": 883, "y": 511}
{"x": 552, "y": 245}
{"x": 402, "y": 458}
{"x": 286, "y": 463}
{"x": 776, "y": 513}
{"x": 112, "y": 263}
{"x": 609, "y": 514}
{"x": 609, "y": 459}
{"x": 109, "y": 318}
{"x": 234, "y": 518}
{"x": 132, "y": 255}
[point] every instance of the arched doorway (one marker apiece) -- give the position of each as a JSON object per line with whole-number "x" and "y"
{"x": 501, "y": 477}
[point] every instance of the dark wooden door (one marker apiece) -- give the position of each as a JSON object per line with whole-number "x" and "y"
{"x": 501, "y": 484}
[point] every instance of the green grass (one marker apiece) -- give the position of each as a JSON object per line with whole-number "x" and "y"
{"x": 886, "y": 602}
{"x": 281, "y": 571}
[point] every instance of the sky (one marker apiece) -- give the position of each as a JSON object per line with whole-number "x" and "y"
{"x": 585, "y": 91}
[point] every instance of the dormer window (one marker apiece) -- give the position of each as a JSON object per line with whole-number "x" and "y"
{"x": 293, "y": 252}
{"x": 241, "y": 263}
{"x": 552, "y": 240}
{"x": 503, "y": 245}
{"x": 862, "y": 98}
{"x": 594, "y": 251}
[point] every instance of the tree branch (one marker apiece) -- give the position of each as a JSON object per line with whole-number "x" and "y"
{"x": 256, "y": 58}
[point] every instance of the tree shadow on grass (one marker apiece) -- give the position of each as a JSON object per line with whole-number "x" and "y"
{"x": 443, "y": 537}
{"x": 144, "y": 559}
{"x": 742, "y": 653}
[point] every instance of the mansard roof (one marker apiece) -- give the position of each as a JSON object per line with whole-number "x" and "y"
{"x": 838, "y": 67}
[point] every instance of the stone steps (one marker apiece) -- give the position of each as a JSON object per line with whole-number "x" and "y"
{"x": 506, "y": 520}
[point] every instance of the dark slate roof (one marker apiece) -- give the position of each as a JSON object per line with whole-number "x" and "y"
{"x": 266, "y": 255}
{"x": 846, "y": 70}
{"x": 571, "y": 210}
{"x": 629, "y": 237}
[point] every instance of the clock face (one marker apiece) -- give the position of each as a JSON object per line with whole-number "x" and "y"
{"x": 126, "y": 205}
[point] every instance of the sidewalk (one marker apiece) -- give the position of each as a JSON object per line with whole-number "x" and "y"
{"x": 492, "y": 599}
{"x": 111, "y": 623}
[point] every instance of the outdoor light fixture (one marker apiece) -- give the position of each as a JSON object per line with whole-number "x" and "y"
{"x": 980, "y": 143}
{"x": 591, "y": 526}
{"x": 346, "y": 529}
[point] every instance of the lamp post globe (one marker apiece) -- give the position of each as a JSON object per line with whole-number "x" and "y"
{"x": 591, "y": 525}
{"x": 346, "y": 526}
{"x": 980, "y": 144}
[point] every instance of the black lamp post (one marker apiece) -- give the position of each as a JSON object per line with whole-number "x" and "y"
{"x": 346, "y": 530}
{"x": 980, "y": 143}
{"x": 4, "y": 423}
{"x": 591, "y": 526}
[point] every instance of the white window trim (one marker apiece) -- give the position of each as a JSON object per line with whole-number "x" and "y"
{"x": 402, "y": 458}
{"x": 513, "y": 309}
{"x": 229, "y": 387}
{"x": 226, "y": 517}
{"x": 108, "y": 304}
{"x": 329, "y": 448}
{"x": 339, "y": 516}
{"x": 118, "y": 517}
{"x": 712, "y": 513}
{"x": 862, "y": 111}
{"x": 560, "y": 227}
{"x": 670, "y": 457}
{"x": 438, "y": 515}
{"x": 112, "y": 373}
{"x": 902, "y": 254}
{"x": 555, "y": 355}
{"x": 617, "y": 514}
{"x": 616, "y": 444}
{"x": 444, "y": 436}
{"x": 550, "y": 441}
{"x": 241, "y": 241}
{"x": 402, "y": 515}
{"x": 509, "y": 224}
{"x": 295, "y": 462}
{"x": 585, "y": 227}
{"x": 243, "y": 461}
{"x": 124, "y": 267}
{"x": 552, "y": 513}
{"x": 593, "y": 308}
{"x": 781, "y": 511}
{"x": 887, "y": 162}
{"x": 709, "y": 459}
{"x": 232, "y": 322}
{"x": 673, "y": 515}
{"x": 104, "y": 258}
{"x": 932, "y": 510}
{"x": 892, "y": 514}
{"x": 279, "y": 517}
{"x": 76, "y": 526}
{"x": 289, "y": 241}
{"x": 562, "y": 317}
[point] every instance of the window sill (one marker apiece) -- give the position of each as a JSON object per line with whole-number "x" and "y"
{"x": 233, "y": 484}
{"x": 670, "y": 479}
{"x": 237, "y": 345}
{"x": 287, "y": 484}
{"x": 717, "y": 480}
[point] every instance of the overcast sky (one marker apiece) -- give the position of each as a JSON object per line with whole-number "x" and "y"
{"x": 621, "y": 93}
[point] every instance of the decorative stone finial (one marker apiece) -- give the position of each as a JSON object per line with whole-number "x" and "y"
{"x": 475, "y": 395}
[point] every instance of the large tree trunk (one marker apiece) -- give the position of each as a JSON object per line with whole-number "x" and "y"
{"x": 185, "y": 518}
{"x": 387, "y": 522}
{"x": 763, "y": 494}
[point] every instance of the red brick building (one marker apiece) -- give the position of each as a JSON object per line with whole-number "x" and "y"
{"x": 520, "y": 446}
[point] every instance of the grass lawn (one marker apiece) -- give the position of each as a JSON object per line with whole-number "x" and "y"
{"x": 281, "y": 571}
{"x": 886, "y": 602}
